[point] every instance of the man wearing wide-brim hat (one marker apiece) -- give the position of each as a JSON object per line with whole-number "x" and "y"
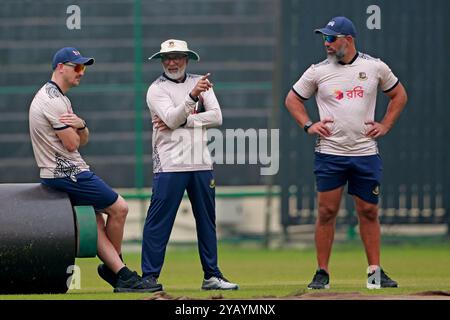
{"x": 175, "y": 46}
{"x": 182, "y": 107}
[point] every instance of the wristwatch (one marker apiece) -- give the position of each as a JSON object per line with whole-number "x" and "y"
{"x": 195, "y": 99}
{"x": 85, "y": 125}
{"x": 308, "y": 125}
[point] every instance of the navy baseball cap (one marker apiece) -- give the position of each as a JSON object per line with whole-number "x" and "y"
{"x": 338, "y": 25}
{"x": 70, "y": 54}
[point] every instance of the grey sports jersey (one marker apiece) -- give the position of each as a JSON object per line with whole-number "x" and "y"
{"x": 184, "y": 147}
{"x": 52, "y": 158}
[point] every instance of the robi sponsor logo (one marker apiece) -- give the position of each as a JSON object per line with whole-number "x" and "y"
{"x": 339, "y": 94}
{"x": 356, "y": 92}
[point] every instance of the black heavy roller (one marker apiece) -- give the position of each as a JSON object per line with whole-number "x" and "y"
{"x": 38, "y": 239}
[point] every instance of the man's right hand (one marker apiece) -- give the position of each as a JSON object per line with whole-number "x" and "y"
{"x": 321, "y": 128}
{"x": 202, "y": 85}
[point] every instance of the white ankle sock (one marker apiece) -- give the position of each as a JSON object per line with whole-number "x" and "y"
{"x": 372, "y": 268}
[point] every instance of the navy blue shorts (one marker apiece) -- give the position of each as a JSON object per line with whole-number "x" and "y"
{"x": 363, "y": 174}
{"x": 88, "y": 190}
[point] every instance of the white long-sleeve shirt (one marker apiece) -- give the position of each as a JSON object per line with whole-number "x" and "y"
{"x": 184, "y": 146}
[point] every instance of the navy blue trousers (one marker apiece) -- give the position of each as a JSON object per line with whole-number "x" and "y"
{"x": 167, "y": 193}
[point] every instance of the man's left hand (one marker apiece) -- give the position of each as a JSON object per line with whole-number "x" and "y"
{"x": 72, "y": 120}
{"x": 159, "y": 124}
{"x": 377, "y": 130}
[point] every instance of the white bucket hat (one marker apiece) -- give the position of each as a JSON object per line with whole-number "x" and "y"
{"x": 173, "y": 45}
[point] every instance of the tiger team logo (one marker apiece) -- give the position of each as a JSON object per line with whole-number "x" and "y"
{"x": 212, "y": 184}
{"x": 376, "y": 190}
{"x": 362, "y": 76}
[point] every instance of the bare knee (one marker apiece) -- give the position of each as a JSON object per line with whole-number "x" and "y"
{"x": 122, "y": 209}
{"x": 368, "y": 212}
{"x": 327, "y": 214}
{"x": 119, "y": 210}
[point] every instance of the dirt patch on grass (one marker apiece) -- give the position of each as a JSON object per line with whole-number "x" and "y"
{"x": 426, "y": 295}
{"x": 162, "y": 295}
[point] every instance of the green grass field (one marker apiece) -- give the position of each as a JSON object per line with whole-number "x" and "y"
{"x": 278, "y": 272}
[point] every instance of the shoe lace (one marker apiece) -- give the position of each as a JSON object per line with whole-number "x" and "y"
{"x": 320, "y": 276}
{"x": 384, "y": 275}
{"x": 219, "y": 277}
{"x": 150, "y": 280}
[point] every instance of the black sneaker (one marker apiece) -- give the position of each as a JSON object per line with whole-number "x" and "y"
{"x": 136, "y": 284}
{"x": 106, "y": 274}
{"x": 379, "y": 279}
{"x": 153, "y": 282}
{"x": 321, "y": 280}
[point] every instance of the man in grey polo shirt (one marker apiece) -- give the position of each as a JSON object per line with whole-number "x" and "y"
{"x": 56, "y": 135}
{"x": 345, "y": 86}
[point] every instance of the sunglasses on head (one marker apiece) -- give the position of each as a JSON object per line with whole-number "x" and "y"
{"x": 76, "y": 67}
{"x": 330, "y": 39}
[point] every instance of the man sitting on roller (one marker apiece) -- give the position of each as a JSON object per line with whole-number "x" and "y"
{"x": 56, "y": 135}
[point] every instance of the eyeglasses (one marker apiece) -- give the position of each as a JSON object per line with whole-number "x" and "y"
{"x": 330, "y": 39}
{"x": 175, "y": 57}
{"x": 76, "y": 67}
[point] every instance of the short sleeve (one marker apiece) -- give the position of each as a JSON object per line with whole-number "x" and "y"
{"x": 53, "y": 110}
{"x": 306, "y": 86}
{"x": 388, "y": 80}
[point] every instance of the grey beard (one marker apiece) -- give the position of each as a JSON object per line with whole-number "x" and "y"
{"x": 340, "y": 54}
{"x": 335, "y": 58}
{"x": 176, "y": 75}
{"x": 332, "y": 58}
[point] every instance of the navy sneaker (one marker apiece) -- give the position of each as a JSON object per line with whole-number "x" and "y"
{"x": 378, "y": 279}
{"x": 153, "y": 283}
{"x": 321, "y": 280}
{"x": 136, "y": 284}
{"x": 106, "y": 274}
